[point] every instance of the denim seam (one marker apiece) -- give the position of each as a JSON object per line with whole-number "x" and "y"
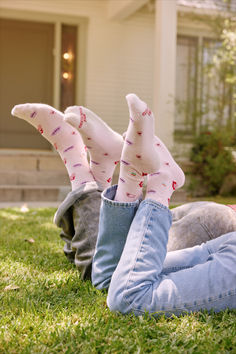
{"x": 156, "y": 207}
{"x": 128, "y": 280}
{"x": 167, "y": 270}
{"x": 123, "y": 205}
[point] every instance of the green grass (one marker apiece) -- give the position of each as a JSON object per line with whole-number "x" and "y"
{"x": 53, "y": 311}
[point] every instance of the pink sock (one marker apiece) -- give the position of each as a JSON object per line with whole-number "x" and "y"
{"x": 104, "y": 145}
{"x": 167, "y": 179}
{"x": 139, "y": 156}
{"x": 66, "y": 140}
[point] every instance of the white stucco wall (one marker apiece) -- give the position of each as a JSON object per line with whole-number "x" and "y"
{"x": 119, "y": 54}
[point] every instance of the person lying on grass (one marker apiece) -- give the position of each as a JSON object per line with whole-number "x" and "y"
{"x": 137, "y": 271}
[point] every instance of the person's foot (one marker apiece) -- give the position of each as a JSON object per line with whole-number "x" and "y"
{"x": 167, "y": 179}
{"x": 139, "y": 156}
{"x": 65, "y": 139}
{"x": 104, "y": 144}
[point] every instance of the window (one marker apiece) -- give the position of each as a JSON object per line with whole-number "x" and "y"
{"x": 216, "y": 95}
{"x": 186, "y": 85}
{"x": 201, "y": 100}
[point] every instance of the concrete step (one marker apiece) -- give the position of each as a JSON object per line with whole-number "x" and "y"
{"x": 30, "y": 160}
{"x": 12, "y": 193}
{"x": 55, "y": 178}
{"x": 34, "y": 193}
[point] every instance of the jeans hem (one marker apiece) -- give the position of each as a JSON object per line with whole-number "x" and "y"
{"x": 108, "y": 196}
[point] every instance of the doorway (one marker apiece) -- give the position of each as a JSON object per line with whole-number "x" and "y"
{"x": 26, "y": 75}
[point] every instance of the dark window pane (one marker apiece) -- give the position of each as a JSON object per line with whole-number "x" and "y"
{"x": 68, "y": 65}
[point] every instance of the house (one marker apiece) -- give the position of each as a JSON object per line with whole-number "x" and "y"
{"x": 94, "y": 52}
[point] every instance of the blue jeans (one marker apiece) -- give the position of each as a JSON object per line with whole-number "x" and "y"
{"x": 131, "y": 260}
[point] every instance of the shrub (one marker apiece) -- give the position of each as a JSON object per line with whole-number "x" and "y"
{"x": 212, "y": 161}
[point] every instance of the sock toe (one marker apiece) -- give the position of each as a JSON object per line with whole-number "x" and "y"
{"x": 72, "y": 109}
{"x": 19, "y": 110}
{"x": 72, "y": 119}
{"x": 135, "y": 105}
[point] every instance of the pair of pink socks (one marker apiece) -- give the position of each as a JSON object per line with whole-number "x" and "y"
{"x": 87, "y": 132}
{"x": 140, "y": 154}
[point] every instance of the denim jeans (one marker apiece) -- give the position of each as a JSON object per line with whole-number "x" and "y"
{"x": 131, "y": 260}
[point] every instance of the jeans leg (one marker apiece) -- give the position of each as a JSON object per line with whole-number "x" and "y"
{"x": 138, "y": 283}
{"x": 114, "y": 223}
{"x": 189, "y": 257}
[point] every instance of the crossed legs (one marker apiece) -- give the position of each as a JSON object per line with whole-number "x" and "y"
{"x": 132, "y": 260}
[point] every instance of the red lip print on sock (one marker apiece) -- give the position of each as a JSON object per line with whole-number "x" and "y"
{"x": 52, "y": 112}
{"x": 40, "y": 129}
{"x": 82, "y": 118}
{"x": 147, "y": 112}
{"x": 130, "y": 195}
{"x": 65, "y": 162}
{"x": 138, "y": 156}
{"x": 116, "y": 162}
{"x": 174, "y": 185}
{"x": 139, "y": 133}
{"x": 106, "y": 154}
{"x": 72, "y": 177}
{"x": 109, "y": 180}
{"x": 141, "y": 184}
{"x": 144, "y": 174}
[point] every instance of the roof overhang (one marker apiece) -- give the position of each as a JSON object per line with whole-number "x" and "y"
{"x": 120, "y": 10}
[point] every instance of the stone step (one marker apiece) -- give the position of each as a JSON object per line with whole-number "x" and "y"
{"x": 55, "y": 178}
{"x": 30, "y": 160}
{"x": 34, "y": 193}
{"x": 12, "y": 193}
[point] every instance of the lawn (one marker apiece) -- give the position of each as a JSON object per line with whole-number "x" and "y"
{"x": 46, "y": 308}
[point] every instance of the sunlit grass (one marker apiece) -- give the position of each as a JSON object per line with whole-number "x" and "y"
{"x": 52, "y": 311}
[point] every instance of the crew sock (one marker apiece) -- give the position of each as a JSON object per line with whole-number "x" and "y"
{"x": 139, "y": 155}
{"x": 65, "y": 139}
{"x": 161, "y": 184}
{"x": 103, "y": 144}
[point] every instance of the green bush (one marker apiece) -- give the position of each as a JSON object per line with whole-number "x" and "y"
{"x": 212, "y": 161}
